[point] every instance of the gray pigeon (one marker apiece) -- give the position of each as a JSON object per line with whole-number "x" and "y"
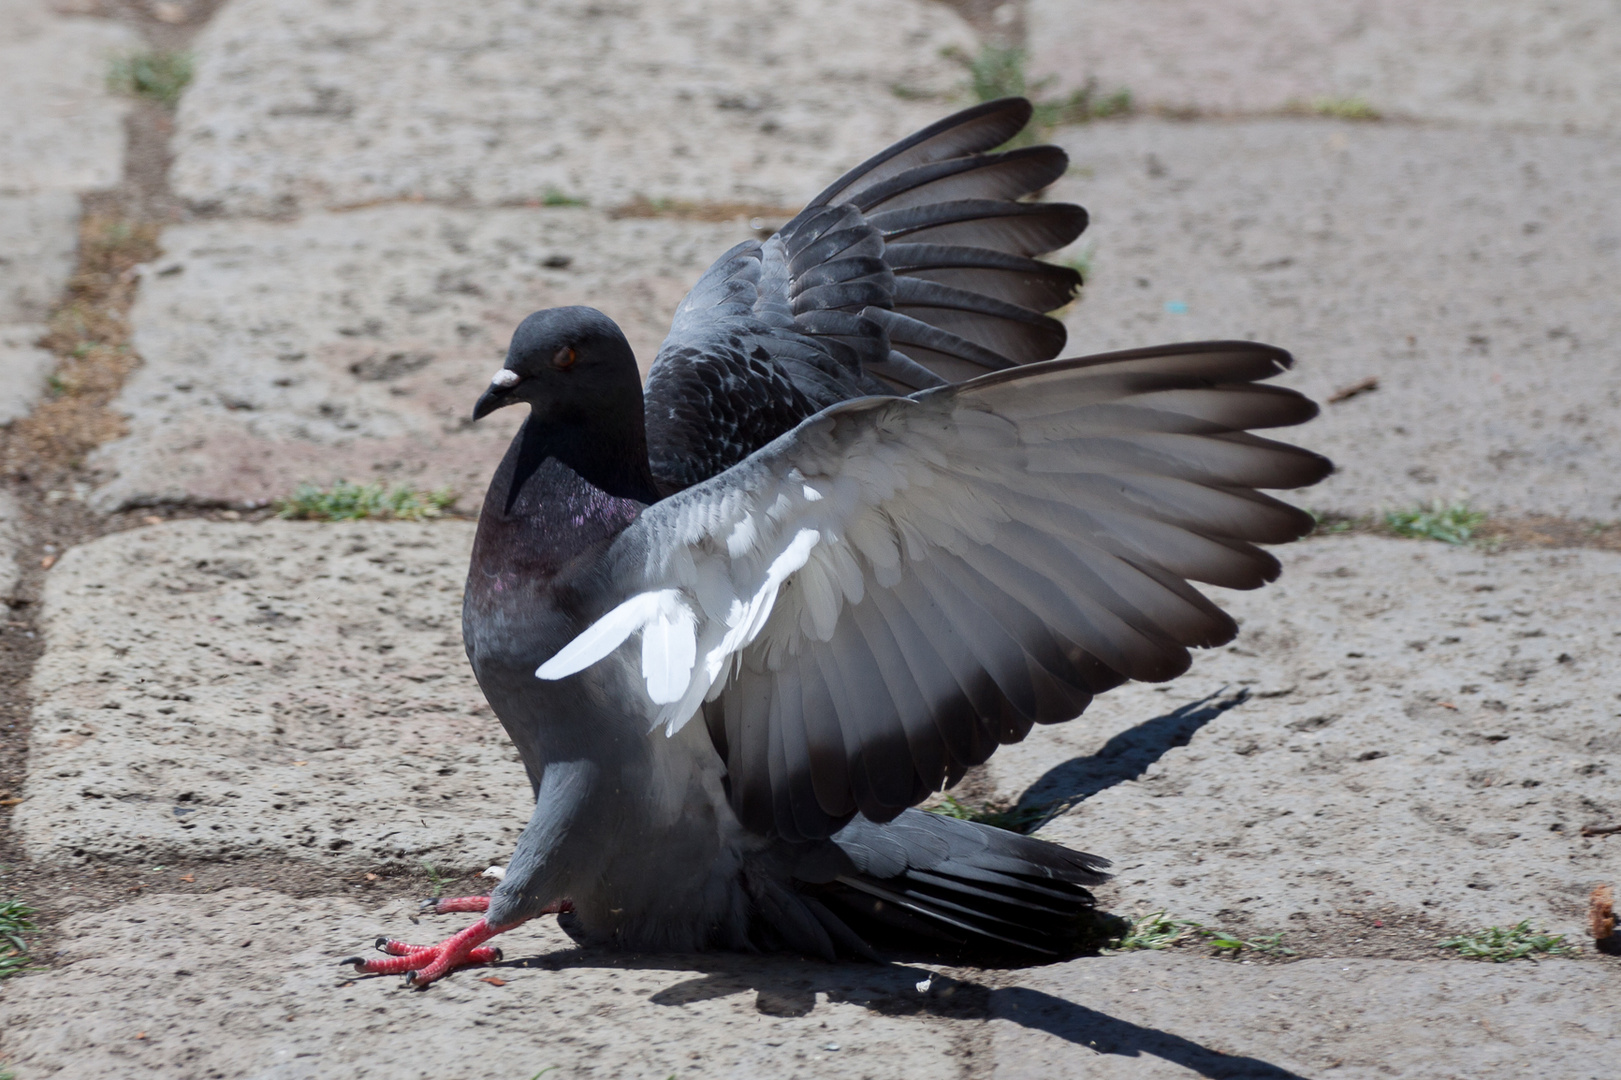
{"x": 859, "y": 530}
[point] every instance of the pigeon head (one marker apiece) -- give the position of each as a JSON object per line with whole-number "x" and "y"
{"x": 567, "y": 363}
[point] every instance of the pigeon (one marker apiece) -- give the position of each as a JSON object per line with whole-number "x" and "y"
{"x": 859, "y": 529}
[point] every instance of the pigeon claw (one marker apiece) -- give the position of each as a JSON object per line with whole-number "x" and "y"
{"x": 423, "y": 964}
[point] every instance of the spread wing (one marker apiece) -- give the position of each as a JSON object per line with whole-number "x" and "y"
{"x": 876, "y": 600}
{"x": 912, "y": 270}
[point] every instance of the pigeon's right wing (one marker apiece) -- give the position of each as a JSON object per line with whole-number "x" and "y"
{"x": 878, "y": 599}
{"x": 912, "y": 270}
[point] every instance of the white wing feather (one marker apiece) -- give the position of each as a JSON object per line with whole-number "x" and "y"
{"x": 602, "y": 637}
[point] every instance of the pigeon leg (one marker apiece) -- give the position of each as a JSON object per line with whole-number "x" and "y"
{"x": 447, "y": 905}
{"x": 564, "y": 788}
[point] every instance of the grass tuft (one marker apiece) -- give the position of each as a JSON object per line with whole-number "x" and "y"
{"x": 554, "y": 197}
{"x": 1019, "y": 819}
{"x": 16, "y": 919}
{"x": 1351, "y": 108}
{"x": 157, "y": 74}
{"x": 344, "y": 501}
{"x": 1156, "y": 930}
{"x": 436, "y": 878}
{"x": 1000, "y": 71}
{"x": 1502, "y": 943}
{"x": 1330, "y": 522}
{"x": 1451, "y": 523}
{"x": 1153, "y": 931}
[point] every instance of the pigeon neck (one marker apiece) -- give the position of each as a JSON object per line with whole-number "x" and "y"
{"x": 610, "y": 458}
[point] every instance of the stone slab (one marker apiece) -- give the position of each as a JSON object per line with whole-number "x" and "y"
{"x": 39, "y": 245}
{"x": 64, "y": 128}
{"x": 1551, "y": 64}
{"x": 243, "y": 983}
{"x": 1166, "y": 1015}
{"x": 276, "y": 690}
{"x": 1471, "y": 272}
{"x": 23, "y": 370}
{"x": 1429, "y": 729}
{"x": 326, "y": 103}
{"x": 11, "y": 538}
{"x": 353, "y": 345}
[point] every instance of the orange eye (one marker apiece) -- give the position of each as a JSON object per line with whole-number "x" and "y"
{"x": 564, "y": 358}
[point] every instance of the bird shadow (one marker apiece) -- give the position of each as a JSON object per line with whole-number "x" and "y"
{"x": 1124, "y": 757}
{"x": 787, "y": 987}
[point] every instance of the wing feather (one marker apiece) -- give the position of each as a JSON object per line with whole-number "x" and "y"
{"x": 819, "y": 313}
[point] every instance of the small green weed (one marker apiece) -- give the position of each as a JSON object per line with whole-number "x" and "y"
{"x": 1019, "y": 819}
{"x": 1156, "y": 930}
{"x": 1330, "y": 523}
{"x": 1351, "y": 108}
{"x": 344, "y": 501}
{"x": 1453, "y": 523}
{"x": 1000, "y": 71}
{"x": 157, "y": 74}
{"x": 554, "y": 197}
{"x": 16, "y": 919}
{"x": 1502, "y": 943}
{"x": 436, "y": 877}
{"x": 1227, "y": 944}
{"x": 1153, "y": 931}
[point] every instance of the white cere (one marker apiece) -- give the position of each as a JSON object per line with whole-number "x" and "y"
{"x": 504, "y": 378}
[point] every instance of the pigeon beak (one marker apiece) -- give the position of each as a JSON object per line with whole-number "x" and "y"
{"x": 499, "y": 393}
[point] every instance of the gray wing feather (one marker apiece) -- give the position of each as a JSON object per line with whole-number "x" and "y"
{"x": 971, "y": 560}
{"x": 819, "y": 313}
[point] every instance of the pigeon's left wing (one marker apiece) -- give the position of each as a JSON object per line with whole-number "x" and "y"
{"x": 913, "y": 269}
{"x": 876, "y": 600}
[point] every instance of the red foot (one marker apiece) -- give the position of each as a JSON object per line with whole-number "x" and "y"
{"x": 424, "y": 964}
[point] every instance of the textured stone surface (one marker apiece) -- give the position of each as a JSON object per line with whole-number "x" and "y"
{"x": 64, "y": 129}
{"x": 63, "y": 135}
{"x": 23, "y": 368}
{"x": 39, "y": 242}
{"x": 213, "y": 1006}
{"x": 10, "y": 541}
{"x": 353, "y": 345}
{"x": 275, "y": 690}
{"x": 1471, "y": 272}
{"x": 1165, "y": 1015}
{"x": 1429, "y": 730}
{"x": 242, "y": 983}
{"x": 323, "y": 103}
{"x": 1553, "y": 63}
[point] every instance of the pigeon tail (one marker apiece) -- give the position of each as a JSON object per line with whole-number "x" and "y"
{"x": 938, "y": 884}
